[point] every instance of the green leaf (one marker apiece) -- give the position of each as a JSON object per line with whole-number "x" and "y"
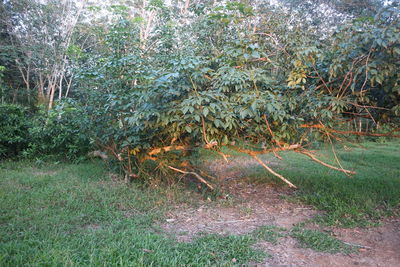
{"x": 205, "y": 111}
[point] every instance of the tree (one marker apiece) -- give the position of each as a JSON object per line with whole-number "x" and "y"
{"x": 40, "y": 34}
{"x": 229, "y": 79}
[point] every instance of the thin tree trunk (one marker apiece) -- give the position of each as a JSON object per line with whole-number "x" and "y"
{"x": 51, "y": 98}
{"x": 60, "y": 88}
{"x": 69, "y": 85}
{"x": 25, "y": 77}
{"x": 51, "y": 91}
{"x": 41, "y": 97}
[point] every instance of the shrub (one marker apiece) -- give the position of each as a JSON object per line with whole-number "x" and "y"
{"x": 14, "y": 125}
{"x": 60, "y": 132}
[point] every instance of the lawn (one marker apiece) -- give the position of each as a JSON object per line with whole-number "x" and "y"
{"x": 75, "y": 214}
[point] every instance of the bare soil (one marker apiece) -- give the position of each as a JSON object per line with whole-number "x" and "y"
{"x": 257, "y": 205}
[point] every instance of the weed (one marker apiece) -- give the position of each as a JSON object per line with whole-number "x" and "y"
{"x": 269, "y": 233}
{"x": 320, "y": 241}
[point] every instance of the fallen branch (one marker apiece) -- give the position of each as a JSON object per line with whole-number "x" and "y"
{"x": 265, "y": 151}
{"x": 224, "y": 156}
{"x": 325, "y": 164}
{"x": 201, "y": 179}
{"x": 273, "y": 172}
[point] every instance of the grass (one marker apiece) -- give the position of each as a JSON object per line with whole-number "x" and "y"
{"x": 269, "y": 233}
{"x": 314, "y": 239}
{"x": 74, "y": 214}
{"x": 359, "y": 200}
{"x": 320, "y": 241}
{"x": 63, "y": 214}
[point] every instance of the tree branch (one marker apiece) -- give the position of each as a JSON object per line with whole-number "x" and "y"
{"x": 201, "y": 179}
{"x": 325, "y": 164}
{"x": 273, "y": 172}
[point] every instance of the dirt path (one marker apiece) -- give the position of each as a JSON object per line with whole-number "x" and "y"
{"x": 263, "y": 205}
{"x": 383, "y": 243}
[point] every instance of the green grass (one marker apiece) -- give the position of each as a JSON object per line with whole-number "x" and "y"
{"x": 320, "y": 241}
{"x": 74, "y": 214}
{"x": 374, "y": 192}
{"x": 314, "y": 239}
{"x": 359, "y": 200}
{"x": 63, "y": 214}
{"x": 269, "y": 233}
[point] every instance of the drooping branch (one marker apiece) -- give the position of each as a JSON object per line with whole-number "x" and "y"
{"x": 273, "y": 172}
{"x": 254, "y": 154}
{"x": 335, "y": 155}
{"x": 273, "y": 137}
{"x": 198, "y": 177}
{"x": 323, "y": 163}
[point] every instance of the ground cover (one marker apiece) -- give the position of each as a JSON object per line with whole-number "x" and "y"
{"x": 79, "y": 214}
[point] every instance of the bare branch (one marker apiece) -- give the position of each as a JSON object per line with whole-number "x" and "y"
{"x": 323, "y": 163}
{"x": 273, "y": 172}
{"x": 201, "y": 179}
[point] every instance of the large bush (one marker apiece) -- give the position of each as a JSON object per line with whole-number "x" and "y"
{"x": 269, "y": 87}
{"x": 60, "y": 132}
{"x": 14, "y": 126}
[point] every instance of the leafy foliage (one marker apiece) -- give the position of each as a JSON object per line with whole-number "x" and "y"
{"x": 60, "y": 132}
{"x": 156, "y": 81}
{"x": 247, "y": 84}
{"x": 14, "y": 125}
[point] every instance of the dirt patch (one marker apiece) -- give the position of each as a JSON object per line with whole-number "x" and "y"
{"x": 254, "y": 206}
{"x": 258, "y": 205}
{"x": 381, "y": 247}
{"x": 237, "y": 167}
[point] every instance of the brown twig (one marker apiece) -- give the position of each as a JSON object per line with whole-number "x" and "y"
{"x": 203, "y": 124}
{"x": 224, "y": 156}
{"x": 273, "y": 137}
{"x": 322, "y": 80}
{"x": 273, "y": 172}
{"x": 366, "y": 71}
{"x": 201, "y": 179}
{"x": 364, "y": 106}
{"x": 323, "y": 163}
